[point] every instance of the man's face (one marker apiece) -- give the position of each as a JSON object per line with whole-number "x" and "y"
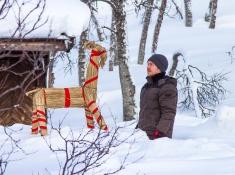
{"x": 152, "y": 69}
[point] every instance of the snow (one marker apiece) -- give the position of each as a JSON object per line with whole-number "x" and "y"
{"x": 198, "y": 147}
{"x": 225, "y": 118}
{"x": 70, "y": 18}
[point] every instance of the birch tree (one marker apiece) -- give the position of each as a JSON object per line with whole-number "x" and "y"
{"x": 213, "y": 13}
{"x": 188, "y": 13}
{"x": 149, "y": 6}
{"x": 82, "y": 57}
{"x": 208, "y": 13}
{"x": 174, "y": 65}
{"x": 96, "y": 24}
{"x": 113, "y": 61}
{"x": 144, "y": 34}
{"x": 127, "y": 86}
{"x": 51, "y": 76}
{"x": 158, "y": 25}
{"x": 85, "y": 36}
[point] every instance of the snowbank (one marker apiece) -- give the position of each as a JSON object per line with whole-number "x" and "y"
{"x": 70, "y": 18}
{"x": 226, "y": 118}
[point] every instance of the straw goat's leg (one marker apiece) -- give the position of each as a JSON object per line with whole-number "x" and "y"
{"x": 89, "y": 118}
{"x": 42, "y": 122}
{"x": 34, "y": 118}
{"x": 93, "y": 108}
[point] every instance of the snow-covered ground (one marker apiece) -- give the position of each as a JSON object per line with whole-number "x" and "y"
{"x": 198, "y": 147}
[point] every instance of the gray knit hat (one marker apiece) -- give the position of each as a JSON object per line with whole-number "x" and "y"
{"x": 160, "y": 61}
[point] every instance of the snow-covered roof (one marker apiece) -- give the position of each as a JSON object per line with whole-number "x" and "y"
{"x": 70, "y": 17}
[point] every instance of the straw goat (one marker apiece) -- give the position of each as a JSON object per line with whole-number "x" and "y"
{"x": 84, "y": 96}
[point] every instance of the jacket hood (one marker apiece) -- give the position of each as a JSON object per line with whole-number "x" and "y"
{"x": 168, "y": 80}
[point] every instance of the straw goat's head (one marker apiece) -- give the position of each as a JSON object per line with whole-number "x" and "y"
{"x": 91, "y": 45}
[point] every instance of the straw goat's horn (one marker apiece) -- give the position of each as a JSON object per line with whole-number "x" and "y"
{"x": 89, "y": 44}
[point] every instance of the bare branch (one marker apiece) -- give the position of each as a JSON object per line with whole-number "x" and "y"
{"x": 24, "y": 25}
{"x": 5, "y": 7}
{"x": 10, "y": 146}
{"x": 85, "y": 151}
{"x": 231, "y": 54}
{"x": 178, "y": 11}
{"x": 209, "y": 90}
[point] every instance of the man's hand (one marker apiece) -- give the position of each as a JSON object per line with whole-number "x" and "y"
{"x": 155, "y": 134}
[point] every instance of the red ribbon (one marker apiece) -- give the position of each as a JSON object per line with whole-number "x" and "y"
{"x": 97, "y": 53}
{"x": 94, "y": 64}
{"x": 90, "y": 80}
{"x": 67, "y": 98}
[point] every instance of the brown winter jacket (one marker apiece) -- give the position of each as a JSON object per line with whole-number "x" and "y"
{"x": 158, "y": 102}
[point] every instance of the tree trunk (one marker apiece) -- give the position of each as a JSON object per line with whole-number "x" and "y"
{"x": 51, "y": 76}
{"x": 208, "y": 14}
{"x": 213, "y": 13}
{"x": 158, "y": 25}
{"x": 113, "y": 44}
{"x": 128, "y": 92}
{"x": 128, "y": 89}
{"x": 82, "y": 58}
{"x": 144, "y": 34}
{"x": 188, "y": 13}
{"x": 99, "y": 32}
{"x": 175, "y": 63}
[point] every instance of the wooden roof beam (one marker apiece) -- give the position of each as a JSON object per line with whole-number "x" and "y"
{"x": 47, "y": 45}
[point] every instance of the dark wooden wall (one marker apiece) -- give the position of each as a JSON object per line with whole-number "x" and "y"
{"x": 19, "y": 73}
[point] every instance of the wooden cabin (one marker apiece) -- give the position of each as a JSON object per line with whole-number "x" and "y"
{"x": 23, "y": 67}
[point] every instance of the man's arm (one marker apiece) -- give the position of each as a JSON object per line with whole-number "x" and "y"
{"x": 168, "y": 103}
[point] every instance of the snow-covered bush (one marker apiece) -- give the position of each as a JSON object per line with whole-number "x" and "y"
{"x": 199, "y": 91}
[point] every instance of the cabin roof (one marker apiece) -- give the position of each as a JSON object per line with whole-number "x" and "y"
{"x": 33, "y": 44}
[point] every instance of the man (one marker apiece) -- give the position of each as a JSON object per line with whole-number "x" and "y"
{"x": 158, "y": 100}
